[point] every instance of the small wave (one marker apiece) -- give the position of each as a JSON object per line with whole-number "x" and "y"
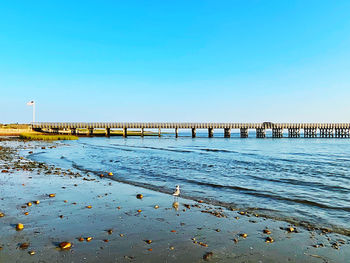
{"x": 217, "y": 150}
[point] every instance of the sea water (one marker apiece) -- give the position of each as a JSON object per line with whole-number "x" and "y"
{"x": 295, "y": 179}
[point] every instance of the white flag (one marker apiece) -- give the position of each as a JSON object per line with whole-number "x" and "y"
{"x": 30, "y": 103}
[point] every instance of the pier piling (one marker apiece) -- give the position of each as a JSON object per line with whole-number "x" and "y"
{"x": 260, "y": 133}
{"x": 277, "y": 133}
{"x": 193, "y": 132}
{"x": 244, "y": 132}
{"x": 210, "y": 132}
{"x": 227, "y": 132}
{"x": 108, "y": 132}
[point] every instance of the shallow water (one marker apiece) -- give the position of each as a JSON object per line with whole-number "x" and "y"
{"x": 294, "y": 179}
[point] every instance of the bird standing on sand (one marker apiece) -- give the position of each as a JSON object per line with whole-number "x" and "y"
{"x": 177, "y": 191}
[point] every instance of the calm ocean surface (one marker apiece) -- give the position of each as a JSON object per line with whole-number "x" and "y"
{"x": 306, "y": 180}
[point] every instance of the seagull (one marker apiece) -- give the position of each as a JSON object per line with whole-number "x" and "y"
{"x": 177, "y": 191}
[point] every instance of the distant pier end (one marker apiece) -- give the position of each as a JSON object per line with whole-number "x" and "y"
{"x": 310, "y": 130}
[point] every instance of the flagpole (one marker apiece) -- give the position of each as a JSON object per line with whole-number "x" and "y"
{"x": 33, "y": 112}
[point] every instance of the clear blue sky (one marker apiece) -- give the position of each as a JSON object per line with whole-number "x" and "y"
{"x": 239, "y": 61}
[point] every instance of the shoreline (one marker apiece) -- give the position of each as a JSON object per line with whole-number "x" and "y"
{"x": 214, "y": 226}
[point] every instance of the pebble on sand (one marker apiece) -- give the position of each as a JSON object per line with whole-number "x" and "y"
{"x": 269, "y": 240}
{"x": 19, "y": 226}
{"x": 24, "y": 245}
{"x": 290, "y": 229}
{"x": 207, "y": 256}
{"x": 267, "y": 231}
{"x": 65, "y": 245}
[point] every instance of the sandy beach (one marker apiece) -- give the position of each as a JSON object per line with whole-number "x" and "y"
{"x": 124, "y": 228}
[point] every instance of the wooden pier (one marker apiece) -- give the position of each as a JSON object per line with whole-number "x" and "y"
{"x": 310, "y": 130}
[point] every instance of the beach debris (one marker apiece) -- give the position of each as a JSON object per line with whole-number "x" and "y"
{"x": 29, "y": 204}
{"x": 19, "y": 227}
{"x": 325, "y": 230}
{"x": 36, "y": 202}
{"x": 24, "y": 245}
{"x": 2, "y": 214}
{"x": 101, "y": 175}
{"x": 148, "y": 241}
{"x": 156, "y": 206}
{"x": 105, "y": 240}
{"x": 88, "y": 239}
{"x": 89, "y": 206}
{"x": 32, "y": 252}
{"x": 26, "y": 213}
{"x": 171, "y": 248}
{"x": 139, "y": 211}
{"x": 52, "y": 195}
{"x": 342, "y": 241}
{"x": 318, "y": 245}
{"x": 187, "y": 206}
{"x": 336, "y": 245}
{"x": 244, "y": 235}
{"x": 269, "y": 240}
{"x": 81, "y": 239}
{"x": 242, "y": 213}
{"x": 173, "y": 231}
{"x": 110, "y": 174}
{"x": 121, "y": 235}
{"x": 4, "y": 171}
{"x": 237, "y": 217}
{"x": 65, "y": 245}
{"x": 150, "y": 249}
{"x": 139, "y": 196}
{"x": 214, "y": 213}
{"x": 203, "y": 244}
{"x": 110, "y": 231}
{"x": 267, "y": 231}
{"x": 235, "y": 240}
{"x": 207, "y": 256}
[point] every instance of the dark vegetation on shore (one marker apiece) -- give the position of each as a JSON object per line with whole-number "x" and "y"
{"x": 46, "y": 137}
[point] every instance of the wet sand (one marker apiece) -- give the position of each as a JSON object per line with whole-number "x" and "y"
{"x": 188, "y": 232}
